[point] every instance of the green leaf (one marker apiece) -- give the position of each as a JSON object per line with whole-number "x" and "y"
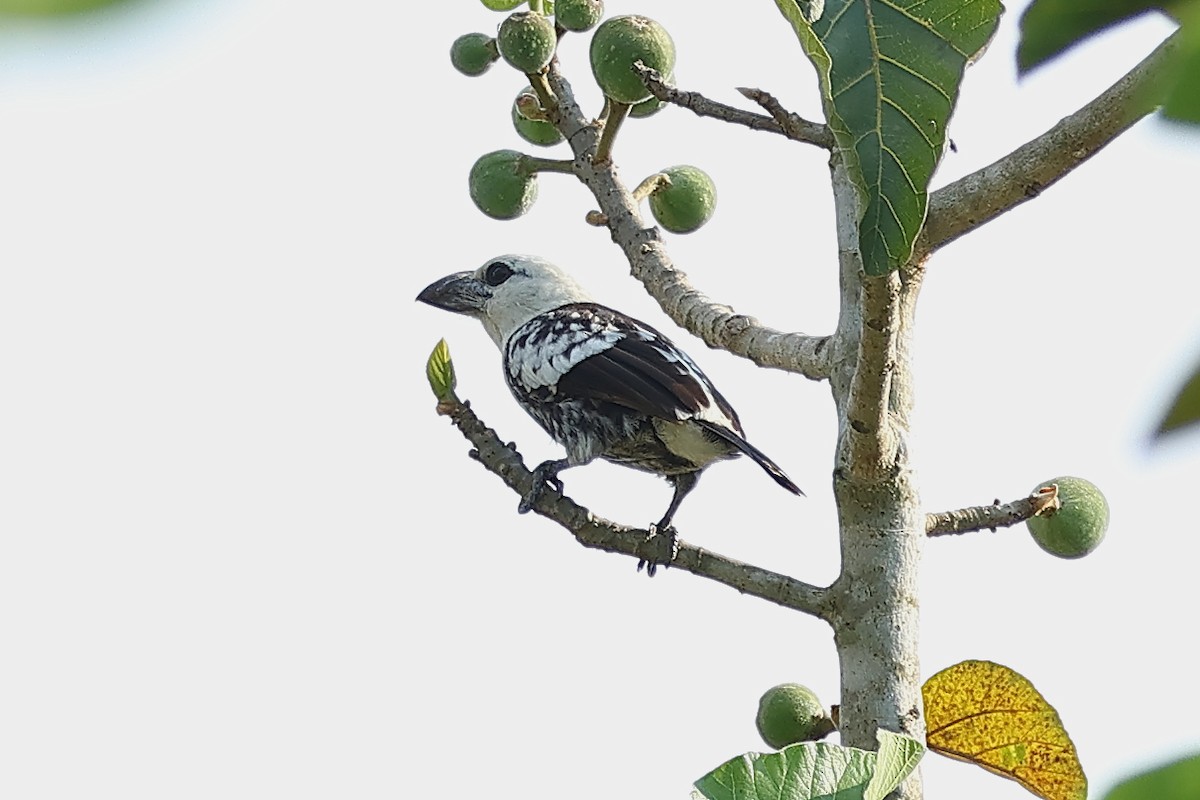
{"x": 1179, "y": 780}
{"x": 37, "y": 8}
{"x": 897, "y": 758}
{"x": 439, "y": 369}
{"x": 1049, "y": 27}
{"x": 812, "y": 770}
{"x": 1185, "y": 408}
{"x": 889, "y": 72}
{"x": 1183, "y": 99}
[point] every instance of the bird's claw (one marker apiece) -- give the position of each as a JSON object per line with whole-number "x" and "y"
{"x": 543, "y": 475}
{"x": 666, "y": 546}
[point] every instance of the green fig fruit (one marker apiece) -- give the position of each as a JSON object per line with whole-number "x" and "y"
{"x": 527, "y": 40}
{"x": 686, "y": 202}
{"x": 500, "y": 186}
{"x": 578, "y": 15}
{"x": 1077, "y": 527}
{"x": 503, "y": 5}
{"x": 790, "y": 713}
{"x": 473, "y": 53}
{"x": 621, "y": 41}
{"x": 534, "y": 131}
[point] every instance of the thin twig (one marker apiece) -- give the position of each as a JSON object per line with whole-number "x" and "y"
{"x": 794, "y": 126}
{"x": 790, "y": 125}
{"x": 979, "y": 518}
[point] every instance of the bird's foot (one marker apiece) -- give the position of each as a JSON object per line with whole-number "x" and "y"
{"x": 544, "y": 474}
{"x": 664, "y": 545}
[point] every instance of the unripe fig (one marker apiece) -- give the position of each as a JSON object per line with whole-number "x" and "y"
{"x": 617, "y": 44}
{"x": 503, "y": 5}
{"x": 1077, "y": 527}
{"x": 686, "y": 202}
{"x": 578, "y": 15}
{"x": 499, "y": 185}
{"x": 534, "y": 131}
{"x": 473, "y": 53}
{"x": 527, "y": 41}
{"x": 790, "y": 713}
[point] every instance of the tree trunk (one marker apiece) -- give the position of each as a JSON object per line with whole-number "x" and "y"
{"x": 875, "y": 603}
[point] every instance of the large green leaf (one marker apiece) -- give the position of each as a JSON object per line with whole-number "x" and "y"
{"x": 39, "y": 8}
{"x": 1051, "y": 27}
{"x": 1185, "y": 408}
{"x": 1048, "y": 27}
{"x": 1183, "y": 98}
{"x": 814, "y": 771}
{"x": 1179, "y": 780}
{"x": 889, "y": 72}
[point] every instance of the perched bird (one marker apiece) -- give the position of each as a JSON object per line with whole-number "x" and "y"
{"x": 601, "y": 383}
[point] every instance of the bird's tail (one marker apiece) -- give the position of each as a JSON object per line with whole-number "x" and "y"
{"x": 760, "y": 458}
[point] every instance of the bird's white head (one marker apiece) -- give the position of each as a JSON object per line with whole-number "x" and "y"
{"x": 505, "y": 293}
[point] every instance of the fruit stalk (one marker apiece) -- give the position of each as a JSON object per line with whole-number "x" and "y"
{"x": 530, "y": 165}
{"x": 541, "y": 87}
{"x": 648, "y": 186}
{"x": 617, "y": 112}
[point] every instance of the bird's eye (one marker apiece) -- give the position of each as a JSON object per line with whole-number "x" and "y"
{"x": 497, "y": 273}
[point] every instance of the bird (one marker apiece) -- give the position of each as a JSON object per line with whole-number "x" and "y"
{"x": 601, "y": 383}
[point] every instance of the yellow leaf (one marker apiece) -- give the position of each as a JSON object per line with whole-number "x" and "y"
{"x": 987, "y": 714}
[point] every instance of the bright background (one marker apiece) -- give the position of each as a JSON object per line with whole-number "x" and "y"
{"x": 240, "y": 556}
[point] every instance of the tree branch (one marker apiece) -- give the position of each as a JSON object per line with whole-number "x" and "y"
{"x": 871, "y": 445}
{"x": 717, "y": 324}
{"x": 592, "y": 531}
{"x": 780, "y": 121}
{"x": 978, "y": 518}
{"x": 866, "y": 347}
{"x": 794, "y": 126}
{"x": 1024, "y": 173}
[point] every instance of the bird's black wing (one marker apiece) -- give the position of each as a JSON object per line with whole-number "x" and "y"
{"x": 609, "y": 357}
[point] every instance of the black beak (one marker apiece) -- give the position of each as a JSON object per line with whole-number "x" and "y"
{"x": 461, "y": 293}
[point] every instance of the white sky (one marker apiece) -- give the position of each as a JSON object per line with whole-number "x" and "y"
{"x": 240, "y": 556}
